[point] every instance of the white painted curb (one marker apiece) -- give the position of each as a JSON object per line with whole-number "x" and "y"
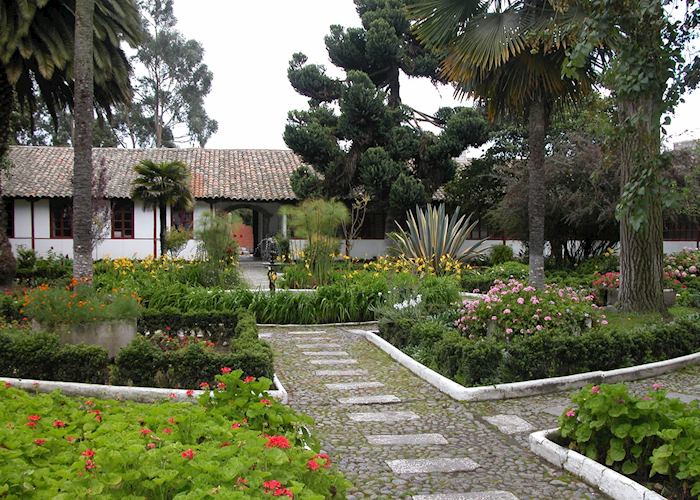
{"x": 608, "y": 481}
{"x": 529, "y": 387}
{"x": 123, "y": 392}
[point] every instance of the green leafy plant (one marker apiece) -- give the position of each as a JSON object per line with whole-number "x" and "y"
{"x": 218, "y": 248}
{"x": 433, "y": 235}
{"x": 237, "y": 442}
{"x": 176, "y": 239}
{"x": 652, "y": 438}
{"x": 500, "y": 254}
{"x": 78, "y": 303}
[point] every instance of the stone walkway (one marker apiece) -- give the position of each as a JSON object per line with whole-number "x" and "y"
{"x": 254, "y": 272}
{"x": 395, "y": 436}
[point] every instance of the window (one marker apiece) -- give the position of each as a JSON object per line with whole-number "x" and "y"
{"x": 682, "y": 229}
{"x": 122, "y": 219}
{"x": 10, "y": 215}
{"x": 61, "y": 215}
{"x": 182, "y": 219}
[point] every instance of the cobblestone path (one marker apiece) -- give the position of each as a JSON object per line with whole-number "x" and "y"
{"x": 396, "y": 436}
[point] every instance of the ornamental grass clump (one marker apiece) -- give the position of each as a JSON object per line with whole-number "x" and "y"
{"x": 512, "y": 308}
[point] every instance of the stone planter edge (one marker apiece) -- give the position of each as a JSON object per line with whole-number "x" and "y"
{"x": 529, "y": 387}
{"x": 608, "y": 481}
{"x": 124, "y": 392}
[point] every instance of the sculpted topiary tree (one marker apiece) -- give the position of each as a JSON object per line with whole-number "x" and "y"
{"x": 357, "y": 136}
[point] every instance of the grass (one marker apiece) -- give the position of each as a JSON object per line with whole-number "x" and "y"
{"x": 626, "y": 320}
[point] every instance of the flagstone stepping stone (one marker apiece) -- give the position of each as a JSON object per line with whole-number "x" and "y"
{"x": 474, "y": 495}
{"x": 333, "y": 361}
{"x": 427, "y": 465}
{"x": 325, "y": 353}
{"x": 405, "y": 439}
{"x": 349, "y": 386}
{"x": 686, "y": 398}
{"x": 557, "y": 411}
{"x": 340, "y": 373}
{"x": 306, "y": 332}
{"x": 316, "y": 346}
{"x": 369, "y": 400}
{"x": 383, "y": 416}
{"x": 314, "y": 339}
{"x": 509, "y": 424}
{"x": 264, "y": 335}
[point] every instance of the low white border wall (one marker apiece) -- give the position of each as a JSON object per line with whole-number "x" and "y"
{"x": 530, "y": 387}
{"x": 123, "y": 392}
{"x": 614, "y": 484}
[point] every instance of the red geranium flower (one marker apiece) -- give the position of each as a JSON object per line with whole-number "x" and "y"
{"x": 150, "y": 446}
{"x": 266, "y": 402}
{"x": 283, "y": 492}
{"x": 225, "y": 370}
{"x": 241, "y": 481}
{"x": 146, "y": 431}
{"x": 204, "y": 386}
{"x": 89, "y": 464}
{"x": 272, "y": 485}
{"x": 70, "y": 439}
{"x": 167, "y": 430}
{"x": 59, "y": 423}
{"x": 248, "y": 379}
{"x": 278, "y": 442}
{"x": 88, "y": 453}
{"x": 325, "y": 458}
{"x": 39, "y": 442}
{"x": 34, "y": 418}
{"x": 7, "y": 385}
{"x": 235, "y": 425}
{"x": 171, "y": 420}
{"x": 189, "y": 393}
{"x": 31, "y": 424}
{"x": 188, "y": 454}
{"x": 221, "y": 386}
{"x": 172, "y": 395}
{"x": 312, "y": 464}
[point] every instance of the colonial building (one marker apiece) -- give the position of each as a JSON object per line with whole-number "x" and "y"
{"x": 37, "y": 192}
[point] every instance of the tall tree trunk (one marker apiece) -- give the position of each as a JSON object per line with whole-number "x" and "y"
{"x": 641, "y": 251}
{"x": 162, "y": 212}
{"x": 82, "y": 140}
{"x": 537, "y": 125}
{"x": 394, "y": 100}
{"x": 8, "y": 265}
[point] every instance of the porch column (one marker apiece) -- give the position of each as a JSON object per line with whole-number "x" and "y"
{"x": 284, "y": 225}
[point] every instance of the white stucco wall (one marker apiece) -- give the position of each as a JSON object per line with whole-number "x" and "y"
{"x": 146, "y": 229}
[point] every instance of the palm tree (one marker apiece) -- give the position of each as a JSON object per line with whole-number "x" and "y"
{"x": 162, "y": 185}
{"x": 36, "y": 58}
{"x": 82, "y": 140}
{"x": 509, "y": 56}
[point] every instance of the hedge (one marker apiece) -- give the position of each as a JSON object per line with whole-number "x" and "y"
{"x": 41, "y": 356}
{"x": 489, "y": 361}
{"x": 143, "y": 363}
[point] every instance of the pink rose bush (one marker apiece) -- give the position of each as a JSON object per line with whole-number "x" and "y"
{"x": 514, "y": 308}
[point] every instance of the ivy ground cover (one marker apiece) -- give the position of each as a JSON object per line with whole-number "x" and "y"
{"x": 234, "y": 443}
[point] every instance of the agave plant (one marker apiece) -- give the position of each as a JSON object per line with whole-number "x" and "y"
{"x": 432, "y": 236}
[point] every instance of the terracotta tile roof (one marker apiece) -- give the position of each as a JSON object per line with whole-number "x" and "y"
{"x": 232, "y": 174}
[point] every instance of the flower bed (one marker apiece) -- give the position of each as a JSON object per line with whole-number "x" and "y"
{"x": 543, "y": 354}
{"x": 511, "y": 309}
{"x": 652, "y": 439}
{"x": 161, "y": 360}
{"x": 237, "y": 442}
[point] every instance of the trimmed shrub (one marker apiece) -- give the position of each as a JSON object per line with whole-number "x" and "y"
{"x": 489, "y": 360}
{"x": 500, "y": 254}
{"x": 216, "y": 326}
{"x": 41, "y": 356}
{"x": 438, "y": 293}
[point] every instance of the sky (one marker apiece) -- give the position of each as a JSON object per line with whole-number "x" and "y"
{"x": 248, "y": 46}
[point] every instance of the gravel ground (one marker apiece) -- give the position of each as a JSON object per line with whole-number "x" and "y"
{"x": 505, "y": 463}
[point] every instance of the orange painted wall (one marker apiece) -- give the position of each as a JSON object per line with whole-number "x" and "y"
{"x": 244, "y": 236}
